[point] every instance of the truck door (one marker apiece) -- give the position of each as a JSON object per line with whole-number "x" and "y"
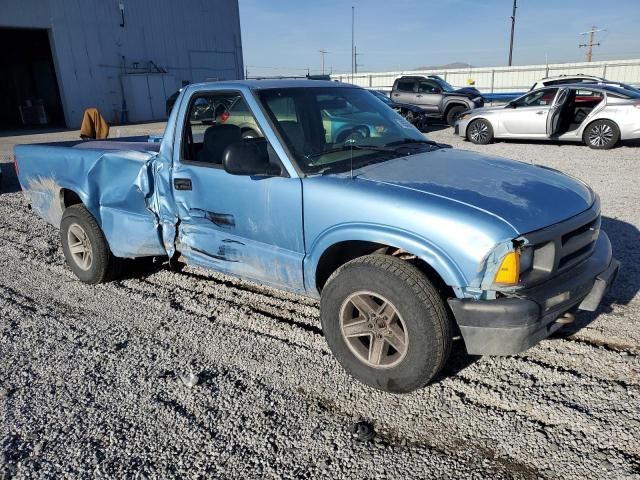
{"x": 404, "y": 91}
{"x": 554, "y": 122}
{"x": 246, "y": 226}
{"x": 429, "y": 95}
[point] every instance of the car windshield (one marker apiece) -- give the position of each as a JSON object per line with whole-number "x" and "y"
{"x": 446, "y": 86}
{"x": 381, "y": 96}
{"x": 336, "y": 128}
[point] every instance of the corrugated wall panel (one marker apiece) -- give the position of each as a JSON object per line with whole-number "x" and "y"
{"x": 89, "y": 43}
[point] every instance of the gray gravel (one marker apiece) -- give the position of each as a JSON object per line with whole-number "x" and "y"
{"x": 193, "y": 374}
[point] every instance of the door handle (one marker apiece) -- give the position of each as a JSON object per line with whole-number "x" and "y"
{"x": 182, "y": 183}
{"x": 418, "y": 95}
{"x": 541, "y": 112}
{"x": 396, "y": 94}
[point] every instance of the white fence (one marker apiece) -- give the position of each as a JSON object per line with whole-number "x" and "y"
{"x": 505, "y": 79}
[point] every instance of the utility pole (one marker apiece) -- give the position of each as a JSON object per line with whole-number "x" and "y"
{"x": 355, "y": 59}
{"x": 322, "y": 54}
{"x": 353, "y": 48}
{"x": 590, "y": 44}
{"x": 513, "y": 26}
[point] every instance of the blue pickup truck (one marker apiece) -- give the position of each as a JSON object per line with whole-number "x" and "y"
{"x": 407, "y": 244}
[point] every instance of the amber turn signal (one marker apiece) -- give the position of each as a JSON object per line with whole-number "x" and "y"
{"x": 509, "y": 271}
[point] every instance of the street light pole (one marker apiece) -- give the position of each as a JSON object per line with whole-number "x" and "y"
{"x": 513, "y": 26}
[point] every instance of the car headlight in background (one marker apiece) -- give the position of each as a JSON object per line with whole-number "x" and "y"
{"x": 464, "y": 116}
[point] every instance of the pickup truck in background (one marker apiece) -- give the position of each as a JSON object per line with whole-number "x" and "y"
{"x": 405, "y": 243}
{"x": 436, "y": 96}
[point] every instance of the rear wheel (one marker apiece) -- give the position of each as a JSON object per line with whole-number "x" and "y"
{"x": 480, "y": 132}
{"x": 453, "y": 113}
{"x": 85, "y": 248}
{"x": 601, "y": 135}
{"x": 385, "y": 323}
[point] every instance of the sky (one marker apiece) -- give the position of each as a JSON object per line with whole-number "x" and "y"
{"x": 283, "y": 37}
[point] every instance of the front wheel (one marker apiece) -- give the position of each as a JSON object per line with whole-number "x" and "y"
{"x": 453, "y": 113}
{"x": 385, "y": 323}
{"x": 480, "y": 132}
{"x": 85, "y": 248}
{"x": 601, "y": 135}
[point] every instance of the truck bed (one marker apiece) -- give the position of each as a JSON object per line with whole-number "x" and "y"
{"x": 112, "y": 178}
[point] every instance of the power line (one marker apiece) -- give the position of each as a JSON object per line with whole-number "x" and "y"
{"x": 591, "y": 43}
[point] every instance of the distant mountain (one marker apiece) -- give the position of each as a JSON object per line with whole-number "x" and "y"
{"x": 445, "y": 67}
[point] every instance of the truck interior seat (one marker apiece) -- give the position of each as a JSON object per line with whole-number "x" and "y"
{"x": 216, "y": 139}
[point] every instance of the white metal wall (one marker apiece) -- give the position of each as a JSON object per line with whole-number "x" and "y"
{"x": 192, "y": 40}
{"x": 505, "y": 79}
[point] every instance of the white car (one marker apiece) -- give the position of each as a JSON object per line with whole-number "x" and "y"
{"x": 598, "y": 115}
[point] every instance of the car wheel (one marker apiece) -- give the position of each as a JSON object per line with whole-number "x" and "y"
{"x": 601, "y": 135}
{"x": 480, "y": 132}
{"x": 85, "y": 249}
{"x": 385, "y": 323}
{"x": 453, "y": 113}
{"x": 249, "y": 133}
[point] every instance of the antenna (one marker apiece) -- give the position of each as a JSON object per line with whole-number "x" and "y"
{"x": 353, "y": 51}
{"x": 590, "y": 44}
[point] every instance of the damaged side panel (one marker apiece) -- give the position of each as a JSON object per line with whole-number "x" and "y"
{"x": 110, "y": 185}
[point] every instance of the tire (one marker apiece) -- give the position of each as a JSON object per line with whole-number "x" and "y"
{"x": 453, "y": 113}
{"x": 249, "y": 133}
{"x": 93, "y": 262}
{"x": 419, "y": 319}
{"x": 480, "y": 132}
{"x": 601, "y": 135}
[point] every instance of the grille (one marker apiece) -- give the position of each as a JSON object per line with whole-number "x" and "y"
{"x": 562, "y": 246}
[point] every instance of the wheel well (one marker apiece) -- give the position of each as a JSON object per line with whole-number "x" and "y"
{"x": 340, "y": 253}
{"x": 599, "y": 119}
{"x": 69, "y": 197}
{"x": 455, "y": 104}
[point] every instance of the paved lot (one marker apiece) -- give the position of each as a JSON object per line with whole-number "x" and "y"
{"x": 94, "y": 380}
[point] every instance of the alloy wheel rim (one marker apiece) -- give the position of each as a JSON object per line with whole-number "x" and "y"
{"x": 80, "y": 247}
{"x": 600, "y": 135}
{"x": 479, "y": 132}
{"x": 374, "y": 330}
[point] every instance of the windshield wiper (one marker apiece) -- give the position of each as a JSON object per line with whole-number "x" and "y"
{"x": 412, "y": 141}
{"x": 346, "y": 148}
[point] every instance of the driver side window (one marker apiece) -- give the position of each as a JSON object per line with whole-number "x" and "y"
{"x": 427, "y": 87}
{"x": 539, "y": 98}
{"x": 214, "y": 122}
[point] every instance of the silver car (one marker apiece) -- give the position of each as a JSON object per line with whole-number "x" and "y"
{"x": 598, "y": 115}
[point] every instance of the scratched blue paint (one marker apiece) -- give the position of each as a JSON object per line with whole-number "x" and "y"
{"x": 458, "y": 211}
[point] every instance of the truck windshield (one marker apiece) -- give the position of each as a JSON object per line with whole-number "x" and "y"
{"x": 331, "y": 128}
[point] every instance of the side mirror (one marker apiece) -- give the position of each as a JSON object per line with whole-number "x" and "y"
{"x": 437, "y": 90}
{"x": 510, "y": 105}
{"x": 249, "y": 158}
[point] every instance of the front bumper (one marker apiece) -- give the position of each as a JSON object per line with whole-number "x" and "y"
{"x": 510, "y": 325}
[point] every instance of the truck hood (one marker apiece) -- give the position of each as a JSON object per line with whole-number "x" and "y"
{"x": 527, "y": 197}
{"x": 464, "y": 92}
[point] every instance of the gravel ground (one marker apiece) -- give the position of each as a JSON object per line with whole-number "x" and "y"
{"x": 193, "y": 374}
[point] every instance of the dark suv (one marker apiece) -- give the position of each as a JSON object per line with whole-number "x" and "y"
{"x": 436, "y": 96}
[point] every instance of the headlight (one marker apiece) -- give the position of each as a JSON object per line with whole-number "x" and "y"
{"x": 464, "y": 116}
{"x": 476, "y": 99}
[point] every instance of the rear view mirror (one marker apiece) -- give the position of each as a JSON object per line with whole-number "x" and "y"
{"x": 249, "y": 158}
